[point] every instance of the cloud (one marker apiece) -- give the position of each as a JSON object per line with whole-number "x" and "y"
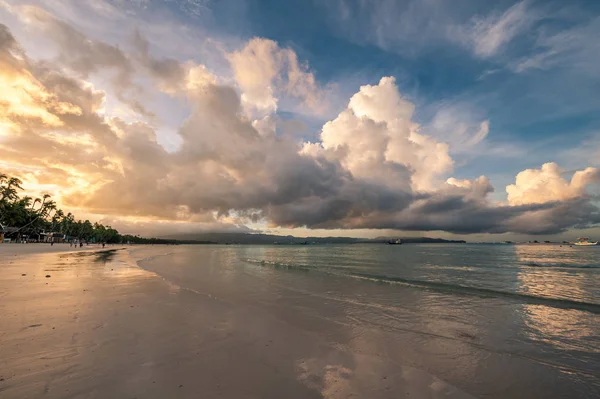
{"x": 406, "y": 27}
{"x": 487, "y": 36}
{"x": 262, "y": 69}
{"x": 375, "y": 138}
{"x": 587, "y": 152}
{"x": 412, "y": 28}
{"x": 459, "y": 125}
{"x": 371, "y": 167}
{"x": 170, "y": 75}
{"x": 23, "y": 97}
{"x": 536, "y": 186}
{"x": 86, "y": 56}
{"x": 575, "y": 49}
{"x": 478, "y": 188}
{"x": 162, "y": 228}
{"x": 192, "y": 7}
{"x": 82, "y": 54}
{"x": 255, "y": 68}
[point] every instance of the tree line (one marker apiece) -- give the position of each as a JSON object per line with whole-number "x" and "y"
{"x": 22, "y": 215}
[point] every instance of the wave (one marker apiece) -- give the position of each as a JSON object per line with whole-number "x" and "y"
{"x": 483, "y": 292}
{"x": 455, "y": 289}
{"x": 562, "y": 265}
{"x": 283, "y": 265}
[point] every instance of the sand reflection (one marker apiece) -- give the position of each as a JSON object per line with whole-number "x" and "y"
{"x": 369, "y": 376}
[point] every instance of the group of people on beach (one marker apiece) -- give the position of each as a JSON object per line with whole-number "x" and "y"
{"x": 80, "y": 242}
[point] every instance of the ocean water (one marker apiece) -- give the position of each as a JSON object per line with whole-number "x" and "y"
{"x": 495, "y": 321}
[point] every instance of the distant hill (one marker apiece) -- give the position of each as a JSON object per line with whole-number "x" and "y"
{"x": 246, "y": 238}
{"x": 418, "y": 240}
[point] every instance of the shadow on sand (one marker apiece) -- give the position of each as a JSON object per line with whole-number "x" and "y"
{"x": 101, "y": 256}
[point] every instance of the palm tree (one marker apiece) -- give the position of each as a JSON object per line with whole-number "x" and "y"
{"x": 32, "y": 216}
{"x": 66, "y": 224}
{"x": 35, "y": 201}
{"x": 25, "y": 201}
{"x": 8, "y": 188}
{"x": 45, "y": 197}
{"x": 8, "y": 192}
{"x": 57, "y": 218}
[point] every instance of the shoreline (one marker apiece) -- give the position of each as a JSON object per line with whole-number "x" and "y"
{"x": 21, "y": 249}
{"x": 155, "y": 321}
{"x": 103, "y": 326}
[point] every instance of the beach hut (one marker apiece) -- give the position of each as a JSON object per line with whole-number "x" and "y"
{"x": 52, "y": 237}
{"x": 6, "y": 233}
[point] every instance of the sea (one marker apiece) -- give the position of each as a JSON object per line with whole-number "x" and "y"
{"x": 493, "y": 320}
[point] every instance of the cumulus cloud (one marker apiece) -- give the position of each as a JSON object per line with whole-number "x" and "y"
{"x": 371, "y": 167}
{"x": 262, "y": 68}
{"x": 477, "y": 188}
{"x": 375, "y": 138}
{"x": 535, "y": 186}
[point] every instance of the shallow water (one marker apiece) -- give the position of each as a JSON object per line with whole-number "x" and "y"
{"x": 492, "y": 320}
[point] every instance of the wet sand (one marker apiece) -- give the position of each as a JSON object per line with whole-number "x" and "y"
{"x": 13, "y": 249}
{"x": 102, "y": 327}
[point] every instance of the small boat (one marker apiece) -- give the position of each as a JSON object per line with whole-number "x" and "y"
{"x": 585, "y": 241}
{"x": 395, "y": 242}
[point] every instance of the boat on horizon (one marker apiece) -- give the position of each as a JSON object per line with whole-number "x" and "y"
{"x": 585, "y": 241}
{"x": 395, "y": 242}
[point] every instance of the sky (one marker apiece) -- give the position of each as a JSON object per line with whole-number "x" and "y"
{"x": 459, "y": 119}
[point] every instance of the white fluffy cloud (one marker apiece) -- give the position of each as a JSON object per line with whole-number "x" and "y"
{"x": 375, "y": 138}
{"x": 477, "y": 188}
{"x": 262, "y": 69}
{"x": 536, "y": 186}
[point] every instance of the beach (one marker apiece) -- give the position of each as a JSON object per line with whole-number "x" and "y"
{"x": 19, "y": 249}
{"x": 101, "y": 327}
{"x": 238, "y": 322}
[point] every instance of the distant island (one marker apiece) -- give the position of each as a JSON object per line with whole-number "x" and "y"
{"x": 268, "y": 239}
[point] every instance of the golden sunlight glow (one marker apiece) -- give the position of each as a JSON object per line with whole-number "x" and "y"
{"x": 5, "y": 128}
{"x": 23, "y": 96}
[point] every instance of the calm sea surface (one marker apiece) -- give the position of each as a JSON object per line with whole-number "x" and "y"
{"x": 502, "y": 321}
